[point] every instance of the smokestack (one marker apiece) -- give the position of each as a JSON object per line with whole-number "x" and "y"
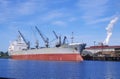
{"x": 109, "y": 30}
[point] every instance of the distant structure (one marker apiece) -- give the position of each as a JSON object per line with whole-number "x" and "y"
{"x": 103, "y": 50}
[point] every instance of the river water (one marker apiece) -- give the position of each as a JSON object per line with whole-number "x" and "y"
{"x": 32, "y": 69}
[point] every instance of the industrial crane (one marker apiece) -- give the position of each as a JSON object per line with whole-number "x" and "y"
{"x": 46, "y": 40}
{"x": 58, "y": 38}
{"x": 55, "y": 34}
{"x": 27, "y": 43}
{"x": 64, "y": 40}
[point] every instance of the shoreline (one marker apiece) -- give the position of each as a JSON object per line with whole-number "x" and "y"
{"x": 101, "y": 58}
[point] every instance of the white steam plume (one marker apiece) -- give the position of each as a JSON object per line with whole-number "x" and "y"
{"x": 109, "y": 30}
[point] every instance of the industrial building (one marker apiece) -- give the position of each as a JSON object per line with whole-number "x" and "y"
{"x": 102, "y": 50}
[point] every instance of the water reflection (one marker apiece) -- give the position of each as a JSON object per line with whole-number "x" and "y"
{"x": 46, "y": 69}
{"x": 111, "y": 70}
{"x": 6, "y": 78}
{"x": 23, "y": 69}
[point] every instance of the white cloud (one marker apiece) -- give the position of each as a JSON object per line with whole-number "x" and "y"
{"x": 59, "y": 23}
{"x": 71, "y": 19}
{"x": 27, "y": 7}
{"x": 4, "y": 3}
{"x": 12, "y": 10}
{"x": 92, "y": 9}
{"x": 105, "y": 19}
{"x": 32, "y": 6}
{"x": 52, "y": 15}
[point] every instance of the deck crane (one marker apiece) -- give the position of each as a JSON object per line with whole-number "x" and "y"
{"x": 36, "y": 40}
{"x": 58, "y": 38}
{"x": 64, "y": 40}
{"x": 55, "y": 34}
{"x": 27, "y": 43}
{"x": 46, "y": 40}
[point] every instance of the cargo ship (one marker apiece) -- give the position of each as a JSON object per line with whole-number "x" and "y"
{"x": 20, "y": 49}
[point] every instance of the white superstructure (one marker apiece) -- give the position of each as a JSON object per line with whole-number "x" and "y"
{"x": 17, "y": 45}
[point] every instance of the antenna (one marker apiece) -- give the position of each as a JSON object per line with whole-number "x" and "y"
{"x": 72, "y": 38}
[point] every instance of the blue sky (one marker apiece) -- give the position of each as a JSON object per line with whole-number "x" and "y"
{"x": 86, "y": 18}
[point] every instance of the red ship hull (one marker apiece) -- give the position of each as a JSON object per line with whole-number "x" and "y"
{"x": 55, "y": 57}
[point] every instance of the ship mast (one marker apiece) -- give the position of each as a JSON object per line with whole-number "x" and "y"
{"x": 72, "y": 38}
{"x": 46, "y": 40}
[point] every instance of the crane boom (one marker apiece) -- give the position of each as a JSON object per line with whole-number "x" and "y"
{"x": 64, "y": 40}
{"x": 55, "y": 34}
{"x": 22, "y": 37}
{"x": 58, "y": 38}
{"x": 45, "y": 40}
